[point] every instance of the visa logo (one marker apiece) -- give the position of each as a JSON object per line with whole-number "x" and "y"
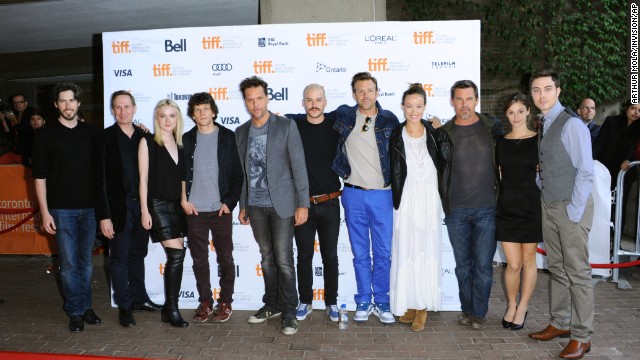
{"x": 122, "y": 72}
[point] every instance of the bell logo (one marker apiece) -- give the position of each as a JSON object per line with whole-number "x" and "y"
{"x": 258, "y": 270}
{"x": 319, "y": 39}
{"x": 169, "y": 46}
{"x": 120, "y": 47}
{"x": 219, "y": 93}
{"x": 162, "y": 70}
{"x": 379, "y": 64}
{"x": 318, "y": 294}
{"x": 428, "y": 88}
{"x": 263, "y": 67}
{"x": 211, "y": 42}
{"x": 212, "y": 247}
{"x": 422, "y": 37}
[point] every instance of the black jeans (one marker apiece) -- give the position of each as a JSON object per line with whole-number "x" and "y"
{"x": 274, "y": 236}
{"x": 127, "y": 251}
{"x": 325, "y": 219}
{"x": 198, "y": 241}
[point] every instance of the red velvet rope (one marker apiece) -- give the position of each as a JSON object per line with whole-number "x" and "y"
{"x": 603, "y": 266}
{"x": 18, "y": 211}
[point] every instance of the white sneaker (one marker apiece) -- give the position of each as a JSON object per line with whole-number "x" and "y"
{"x": 303, "y": 311}
{"x": 363, "y": 311}
{"x": 383, "y": 312}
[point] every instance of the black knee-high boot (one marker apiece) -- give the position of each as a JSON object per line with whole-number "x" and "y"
{"x": 172, "y": 282}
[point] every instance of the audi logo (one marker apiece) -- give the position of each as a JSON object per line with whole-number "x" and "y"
{"x": 221, "y": 67}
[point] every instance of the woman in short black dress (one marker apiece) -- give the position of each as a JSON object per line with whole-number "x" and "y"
{"x": 518, "y": 217}
{"x": 161, "y": 168}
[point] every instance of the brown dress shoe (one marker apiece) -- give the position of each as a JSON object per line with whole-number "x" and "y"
{"x": 408, "y": 317}
{"x": 550, "y": 332}
{"x": 575, "y": 350}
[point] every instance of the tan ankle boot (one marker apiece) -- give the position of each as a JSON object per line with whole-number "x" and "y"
{"x": 418, "y": 322}
{"x": 408, "y": 317}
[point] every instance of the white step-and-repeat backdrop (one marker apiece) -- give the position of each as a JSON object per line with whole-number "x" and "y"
{"x": 175, "y": 63}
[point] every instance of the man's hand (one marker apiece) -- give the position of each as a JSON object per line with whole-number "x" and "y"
{"x": 625, "y": 165}
{"x": 223, "y": 210}
{"x": 189, "y": 208}
{"x": 48, "y": 224}
{"x": 106, "y": 228}
{"x": 243, "y": 217}
{"x": 142, "y": 127}
{"x": 301, "y": 216}
{"x": 435, "y": 122}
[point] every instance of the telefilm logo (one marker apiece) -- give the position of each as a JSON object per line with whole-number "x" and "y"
{"x": 126, "y": 47}
{"x": 443, "y": 65}
{"x": 271, "y": 42}
{"x": 320, "y": 67}
{"x": 269, "y": 67}
{"x": 219, "y": 93}
{"x": 216, "y": 42}
{"x": 180, "y": 46}
{"x": 380, "y": 39}
{"x": 122, "y": 72}
{"x": 322, "y": 39}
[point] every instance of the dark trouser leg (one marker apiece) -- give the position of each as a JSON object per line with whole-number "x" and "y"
{"x": 222, "y": 231}
{"x": 198, "y": 240}
{"x": 328, "y": 218}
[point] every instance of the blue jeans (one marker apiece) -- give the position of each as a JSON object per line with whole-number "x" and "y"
{"x": 75, "y": 234}
{"x": 472, "y": 232}
{"x": 370, "y": 212}
{"x": 127, "y": 251}
{"x": 274, "y": 236}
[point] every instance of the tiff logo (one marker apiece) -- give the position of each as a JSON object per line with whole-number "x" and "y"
{"x": 162, "y": 70}
{"x": 212, "y": 247}
{"x": 219, "y": 93}
{"x": 318, "y": 294}
{"x": 422, "y": 37}
{"x": 263, "y": 67}
{"x": 211, "y": 42}
{"x": 258, "y": 270}
{"x": 319, "y": 39}
{"x": 428, "y": 88}
{"x": 379, "y": 64}
{"x": 120, "y": 47}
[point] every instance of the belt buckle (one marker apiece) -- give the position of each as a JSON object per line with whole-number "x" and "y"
{"x": 316, "y": 197}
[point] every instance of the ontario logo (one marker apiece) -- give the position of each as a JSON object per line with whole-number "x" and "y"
{"x": 320, "y": 67}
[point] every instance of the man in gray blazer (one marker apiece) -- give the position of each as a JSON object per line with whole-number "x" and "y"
{"x": 274, "y": 198}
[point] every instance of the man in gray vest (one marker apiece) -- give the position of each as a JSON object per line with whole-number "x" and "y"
{"x": 566, "y": 175}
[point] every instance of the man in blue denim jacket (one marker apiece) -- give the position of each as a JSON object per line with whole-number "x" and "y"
{"x": 363, "y": 163}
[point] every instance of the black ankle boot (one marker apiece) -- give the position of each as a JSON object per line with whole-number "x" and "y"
{"x": 172, "y": 281}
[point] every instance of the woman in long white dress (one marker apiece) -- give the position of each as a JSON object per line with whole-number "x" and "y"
{"x": 417, "y": 219}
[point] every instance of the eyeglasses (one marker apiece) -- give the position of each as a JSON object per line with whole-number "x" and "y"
{"x": 367, "y": 121}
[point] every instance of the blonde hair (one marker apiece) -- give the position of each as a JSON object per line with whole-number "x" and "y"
{"x": 177, "y": 132}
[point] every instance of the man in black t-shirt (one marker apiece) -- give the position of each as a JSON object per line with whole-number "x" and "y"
{"x": 320, "y": 142}
{"x": 62, "y": 169}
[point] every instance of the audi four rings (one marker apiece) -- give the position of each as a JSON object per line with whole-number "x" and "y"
{"x": 221, "y": 67}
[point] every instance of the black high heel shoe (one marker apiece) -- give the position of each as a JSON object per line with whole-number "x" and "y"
{"x": 518, "y": 326}
{"x": 506, "y": 324}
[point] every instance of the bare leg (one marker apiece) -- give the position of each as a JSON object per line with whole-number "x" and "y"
{"x": 513, "y": 251}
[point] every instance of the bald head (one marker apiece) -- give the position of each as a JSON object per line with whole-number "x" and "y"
{"x": 314, "y": 102}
